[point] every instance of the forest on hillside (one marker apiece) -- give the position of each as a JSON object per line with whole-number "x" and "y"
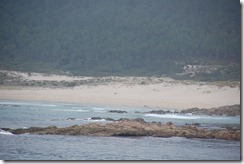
{"x": 121, "y": 37}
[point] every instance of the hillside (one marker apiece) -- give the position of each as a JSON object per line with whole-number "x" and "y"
{"x": 196, "y": 39}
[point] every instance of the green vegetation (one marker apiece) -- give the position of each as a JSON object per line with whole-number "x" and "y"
{"x": 121, "y": 37}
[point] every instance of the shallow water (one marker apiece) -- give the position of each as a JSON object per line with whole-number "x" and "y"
{"x": 20, "y": 114}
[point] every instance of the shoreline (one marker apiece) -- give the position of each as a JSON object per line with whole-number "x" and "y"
{"x": 142, "y": 92}
{"x": 99, "y": 96}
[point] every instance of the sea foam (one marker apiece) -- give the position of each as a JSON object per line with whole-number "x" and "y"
{"x": 5, "y": 132}
{"x": 176, "y": 116}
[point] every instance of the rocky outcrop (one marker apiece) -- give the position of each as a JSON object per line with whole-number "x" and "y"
{"x": 230, "y": 110}
{"x": 133, "y": 127}
{"x": 100, "y": 118}
{"x": 159, "y": 112}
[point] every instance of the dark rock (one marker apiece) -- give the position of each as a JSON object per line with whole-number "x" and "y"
{"x": 156, "y": 112}
{"x": 158, "y": 123}
{"x": 160, "y": 112}
{"x": 71, "y": 118}
{"x": 5, "y": 129}
{"x": 195, "y": 124}
{"x": 140, "y": 120}
{"x": 169, "y": 123}
{"x": 100, "y": 118}
{"x": 117, "y": 111}
{"x": 109, "y": 119}
{"x": 74, "y": 126}
{"x": 190, "y": 110}
{"x": 16, "y": 106}
{"x": 96, "y": 118}
{"x": 128, "y": 133}
{"x": 123, "y": 119}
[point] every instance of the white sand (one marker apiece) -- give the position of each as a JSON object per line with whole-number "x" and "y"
{"x": 166, "y": 94}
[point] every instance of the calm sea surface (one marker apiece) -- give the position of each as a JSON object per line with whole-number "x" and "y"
{"x": 24, "y": 114}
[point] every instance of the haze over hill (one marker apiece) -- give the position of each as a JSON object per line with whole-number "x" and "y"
{"x": 197, "y": 39}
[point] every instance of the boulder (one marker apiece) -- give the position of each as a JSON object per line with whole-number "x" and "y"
{"x": 96, "y": 118}
{"x": 169, "y": 123}
{"x": 140, "y": 120}
{"x": 109, "y": 119}
{"x": 195, "y": 124}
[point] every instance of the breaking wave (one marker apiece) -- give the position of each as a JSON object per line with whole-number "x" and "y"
{"x": 95, "y": 120}
{"x": 5, "y": 132}
{"x": 175, "y": 116}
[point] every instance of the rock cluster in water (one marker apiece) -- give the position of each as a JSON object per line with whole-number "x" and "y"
{"x": 117, "y": 111}
{"x": 133, "y": 127}
{"x": 229, "y": 110}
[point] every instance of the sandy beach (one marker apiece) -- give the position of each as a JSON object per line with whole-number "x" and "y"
{"x": 151, "y": 92}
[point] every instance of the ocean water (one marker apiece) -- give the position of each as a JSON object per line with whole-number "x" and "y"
{"x": 24, "y": 114}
